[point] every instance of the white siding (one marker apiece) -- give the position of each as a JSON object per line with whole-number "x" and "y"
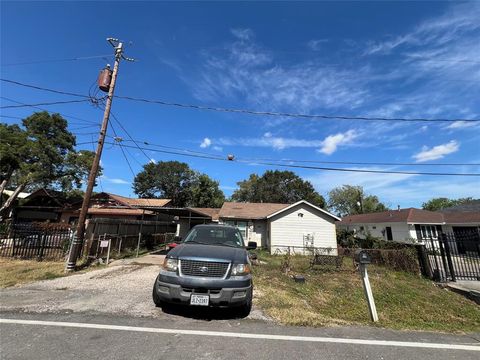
{"x": 288, "y": 228}
{"x": 401, "y": 232}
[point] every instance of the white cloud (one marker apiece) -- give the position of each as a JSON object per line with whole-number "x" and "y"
{"x": 248, "y": 71}
{"x": 326, "y": 146}
{"x": 316, "y": 44}
{"x": 437, "y": 31}
{"x": 436, "y": 152}
{"x": 114, "y": 180}
{"x": 152, "y": 161}
{"x": 242, "y": 34}
{"x": 206, "y": 143}
{"x": 332, "y": 142}
{"x": 461, "y": 125}
{"x": 217, "y": 148}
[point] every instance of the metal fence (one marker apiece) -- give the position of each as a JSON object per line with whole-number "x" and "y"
{"x": 34, "y": 240}
{"x": 120, "y": 244}
{"x": 454, "y": 256}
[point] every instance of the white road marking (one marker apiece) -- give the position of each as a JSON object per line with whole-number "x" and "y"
{"x": 245, "y": 335}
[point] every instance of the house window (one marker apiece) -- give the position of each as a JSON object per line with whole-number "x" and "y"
{"x": 374, "y": 227}
{"x": 429, "y": 231}
{"x": 240, "y": 225}
{"x": 300, "y": 215}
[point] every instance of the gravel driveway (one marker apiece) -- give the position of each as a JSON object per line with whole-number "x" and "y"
{"x": 121, "y": 289}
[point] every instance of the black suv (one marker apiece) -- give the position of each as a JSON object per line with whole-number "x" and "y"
{"x": 211, "y": 267}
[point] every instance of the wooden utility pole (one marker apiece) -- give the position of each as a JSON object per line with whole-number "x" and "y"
{"x": 77, "y": 244}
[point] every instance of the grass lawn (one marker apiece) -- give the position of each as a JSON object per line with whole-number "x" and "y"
{"x": 330, "y": 297}
{"x": 14, "y": 272}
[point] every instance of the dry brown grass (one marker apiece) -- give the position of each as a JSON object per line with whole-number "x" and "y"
{"x": 330, "y": 297}
{"x": 15, "y": 272}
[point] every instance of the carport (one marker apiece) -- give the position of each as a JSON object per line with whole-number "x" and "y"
{"x": 185, "y": 218}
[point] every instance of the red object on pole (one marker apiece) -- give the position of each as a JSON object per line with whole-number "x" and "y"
{"x": 104, "y": 79}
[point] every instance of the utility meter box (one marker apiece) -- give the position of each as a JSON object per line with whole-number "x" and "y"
{"x": 362, "y": 257}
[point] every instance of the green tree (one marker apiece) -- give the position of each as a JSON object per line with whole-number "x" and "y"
{"x": 351, "y": 200}
{"x": 436, "y": 204}
{"x": 176, "y": 181}
{"x": 42, "y": 155}
{"x": 13, "y": 151}
{"x": 206, "y": 192}
{"x": 76, "y": 171}
{"x": 276, "y": 186}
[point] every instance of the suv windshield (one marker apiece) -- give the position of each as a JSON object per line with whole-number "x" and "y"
{"x": 215, "y": 235}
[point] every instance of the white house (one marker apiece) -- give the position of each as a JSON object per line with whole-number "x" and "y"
{"x": 409, "y": 225}
{"x": 276, "y": 226}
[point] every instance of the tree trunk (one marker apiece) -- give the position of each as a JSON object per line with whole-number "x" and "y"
{"x": 5, "y": 207}
{"x": 5, "y": 181}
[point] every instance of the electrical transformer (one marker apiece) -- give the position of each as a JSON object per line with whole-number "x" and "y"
{"x": 104, "y": 79}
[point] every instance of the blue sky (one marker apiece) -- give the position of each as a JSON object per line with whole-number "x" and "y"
{"x": 389, "y": 59}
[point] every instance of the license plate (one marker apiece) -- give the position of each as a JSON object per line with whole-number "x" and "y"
{"x": 200, "y": 300}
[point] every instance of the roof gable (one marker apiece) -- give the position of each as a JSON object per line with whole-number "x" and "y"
{"x": 306, "y": 203}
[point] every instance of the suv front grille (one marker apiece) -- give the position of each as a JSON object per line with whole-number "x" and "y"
{"x": 204, "y": 268}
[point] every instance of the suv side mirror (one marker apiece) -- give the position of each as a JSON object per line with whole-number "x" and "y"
{"x": 252, "y": 245}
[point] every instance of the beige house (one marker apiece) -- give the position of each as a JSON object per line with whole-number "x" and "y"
{"x": 276, "y": 226}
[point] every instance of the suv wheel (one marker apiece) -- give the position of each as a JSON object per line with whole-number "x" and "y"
{"x": 247, "y": 307}
{"x": 156, "y": 298}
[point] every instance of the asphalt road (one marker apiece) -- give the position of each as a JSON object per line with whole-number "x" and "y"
{"x": 109, "y": 314}
{"x": 100, "y": 336}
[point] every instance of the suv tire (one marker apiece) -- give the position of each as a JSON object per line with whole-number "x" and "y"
{"x": 156, "y": 299}
{"x": 245, "y": 309}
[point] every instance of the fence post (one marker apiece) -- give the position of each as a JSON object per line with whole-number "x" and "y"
{"x": 437, "y": 267}
{"x": 424, "y": 261}
{"x": 449, "y": 256}
{"x": 13, "y": 243}
{"x": 444, "y": 259}
{"x": 42, "y": 245}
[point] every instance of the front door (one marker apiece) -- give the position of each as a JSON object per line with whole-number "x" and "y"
{"x": 388, "y": 229}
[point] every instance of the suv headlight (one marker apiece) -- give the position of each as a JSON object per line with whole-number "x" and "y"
{"x": 170, "y": 264}
{"x": 240, "y": 269}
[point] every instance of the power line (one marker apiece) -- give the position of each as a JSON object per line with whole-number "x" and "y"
{"x": 11, "y": 117}
{"x": 128, "y": 134}
{"x": 306, "y": 161}
{"x": 253, "y": 112}
{"x": 44, "y": 89}
{"x": 84, "y": 127}
{"x": 43, "y": 104}
{"x": 86, "y": 143}
{"x": 57, "y": 60}
{"x": 123, "y": 151}
{"x": 291, "y": 115}
{"x": 362, "y": 163}
{"x": 318, "y": 167}
{"x": 370, "y": 171}
{"x": 50, "y": 112}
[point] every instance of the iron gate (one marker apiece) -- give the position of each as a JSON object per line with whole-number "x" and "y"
{"x": 454, "y": 256}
